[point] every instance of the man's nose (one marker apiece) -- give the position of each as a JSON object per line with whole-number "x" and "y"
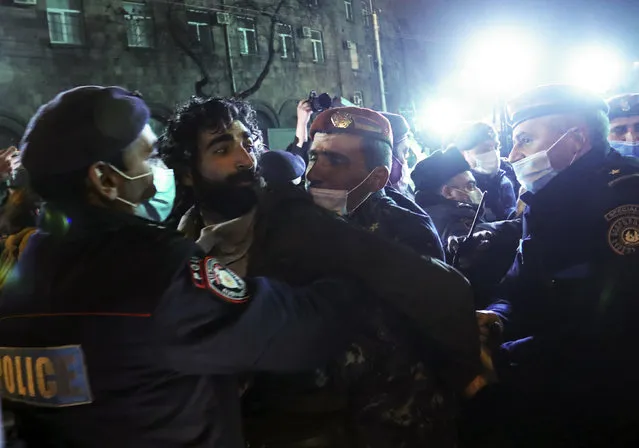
{"x": 632, "y": 136}
{"x": 515, "y": 155}
{"x": 244, "y": 159}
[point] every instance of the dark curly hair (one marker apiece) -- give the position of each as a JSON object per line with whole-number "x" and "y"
{"x": 178, "y": 143}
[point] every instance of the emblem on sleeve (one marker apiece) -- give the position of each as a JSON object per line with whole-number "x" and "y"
{"x": 225, "y": 283}
{"x": 623, "y": 232}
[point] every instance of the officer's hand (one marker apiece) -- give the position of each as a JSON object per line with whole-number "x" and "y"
{"x": 7, "y": 162}
{"x": 304, "y": 112}
{"x": 490, "y": 327}
{"x": 466, "y": 248}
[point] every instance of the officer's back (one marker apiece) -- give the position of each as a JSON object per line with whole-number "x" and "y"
{"x": 116, "y": 332}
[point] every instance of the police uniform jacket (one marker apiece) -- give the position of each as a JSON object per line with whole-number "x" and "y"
{"x": 116, "y": 332}
{"x": 570, "y": 299}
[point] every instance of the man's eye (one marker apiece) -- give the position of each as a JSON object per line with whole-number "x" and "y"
{"x": 220, "y": 150}
{"x": 312, "y": 157}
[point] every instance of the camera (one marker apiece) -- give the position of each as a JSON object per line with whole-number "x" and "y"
{"x": 319, "y": 102}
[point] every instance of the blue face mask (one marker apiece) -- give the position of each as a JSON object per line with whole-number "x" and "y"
{"x": 626, "y": 149}
{"x": 159, "y": 207}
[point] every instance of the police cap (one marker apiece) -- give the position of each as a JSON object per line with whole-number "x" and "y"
{"x": 355, "y": 121}
{"x": 623, "y": 105}
{"x": 80, "y": 127}
{"x": 551, "y": 100}
{"x": 399, "y": 126}
{"x": 278, "y": 167}
{"x": 474, "y": 134}
{"x": 437, "y": 169}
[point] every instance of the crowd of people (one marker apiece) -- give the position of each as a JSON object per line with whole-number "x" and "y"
{"x": 195, "y": 289}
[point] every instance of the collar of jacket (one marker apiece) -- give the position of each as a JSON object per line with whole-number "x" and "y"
{"x": 75, "y": 219}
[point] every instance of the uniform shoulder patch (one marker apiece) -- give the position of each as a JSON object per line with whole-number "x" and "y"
{"x": 44, "y": 376}
{"x": 623, "y": 230}
{"x": 208, "y": 273}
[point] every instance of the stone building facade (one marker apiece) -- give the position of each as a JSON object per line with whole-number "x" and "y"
{"x": 155, "y": 47}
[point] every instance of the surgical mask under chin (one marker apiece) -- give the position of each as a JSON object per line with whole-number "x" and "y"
{"x": 535, "y": 172}
{"x": 487, "y": 163}
{"x": 131, "y": 178}
{"x": 625, "y": 148}
{"x": 159, "y": 207}
{"x": 336, "y": 200}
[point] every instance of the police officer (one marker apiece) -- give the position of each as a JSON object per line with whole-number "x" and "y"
{"x": 117, "y": 332}
{"x": 480, "y": 147}
{"x": 624, "y": 124}
{"x": 569, "y": 307}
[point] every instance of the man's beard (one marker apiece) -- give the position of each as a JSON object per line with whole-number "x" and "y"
{"x": 227, "y": 198}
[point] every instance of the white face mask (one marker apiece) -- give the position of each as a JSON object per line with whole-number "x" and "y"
{"x": 474, "y": 196}
{"x": 159, "y": 207}
{"x": 336, "y": 200}
{"x": 487, "y": 163}
{"x": 534, "y": 172}
{"x": 127, "y": 177}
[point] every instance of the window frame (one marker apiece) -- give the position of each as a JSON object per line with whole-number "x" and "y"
{"x": 348, "y": 10}
{"x": 138, "y": 20}
{"x": 242, "y": 33}
{"x": 354, "y": 56}
{"x": 284, "y": 48}
{"x": 367, "y": 14}
{"x": 198, "y": 28}
{"x": 319, "y": 41}
{"x": 66, "y": 25}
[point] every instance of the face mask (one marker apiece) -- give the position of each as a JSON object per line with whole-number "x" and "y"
{"x": 127, "y": 177}
{"x": 626, "y": 149}
{"x": 336, "y": 200}
{"x": 159, "y": 207}
{"x": 474, "y": 196}
{"x": 534, "y": 172}
{"x": 399, "y": 174}
{"x": 487, "y": 163}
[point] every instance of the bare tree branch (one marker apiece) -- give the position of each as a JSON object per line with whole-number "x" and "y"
{"x": 271, "y": 55}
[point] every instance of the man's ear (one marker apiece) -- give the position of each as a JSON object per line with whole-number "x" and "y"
{"x": 379, "y": 178}
{"x": 103, "y": 180}
{"x": 447, "y": 192}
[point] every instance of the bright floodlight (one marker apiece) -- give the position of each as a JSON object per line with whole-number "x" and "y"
{"x": 440, "y": 117}
{"x": 597, "y": 68}
{"x": 500, "y": 62}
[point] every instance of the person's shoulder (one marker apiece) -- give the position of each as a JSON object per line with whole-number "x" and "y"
{"x": 620, "y": 172}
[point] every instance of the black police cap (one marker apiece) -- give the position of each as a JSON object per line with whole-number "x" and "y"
{"x": 80, "y": 127}
{"x": 623, "y": 106}
{"x": 437, "y": 169}
{"x": 553, "y": 99}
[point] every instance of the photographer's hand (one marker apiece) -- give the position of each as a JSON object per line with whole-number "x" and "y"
{"x": 304, "y": 113}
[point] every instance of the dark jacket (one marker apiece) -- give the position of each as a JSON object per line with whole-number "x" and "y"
{"x": 570, "y": 300}
{"x": 133, "y": 337}
{"x": 501, "y": 197}
{"x": 484, "y": 268}
{"x": 296, "y": 241}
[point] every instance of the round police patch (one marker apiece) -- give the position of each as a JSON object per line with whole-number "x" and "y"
{"x": 623, "y": 233}
{"x": 225, "y": 283}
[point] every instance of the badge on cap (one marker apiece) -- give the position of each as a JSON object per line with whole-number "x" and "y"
{"x": 209, "y": 274}
{"x": 341, "y": 120}
{"x": 625, "y": 105}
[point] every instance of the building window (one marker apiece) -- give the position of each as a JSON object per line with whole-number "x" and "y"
{"x": 247, "y": 33}
{"x": 200, "y": 35}
{"x": 348, "y": 5}
{"x": 313, "y": 3}
{"x": 65, "y": 21}
{"x": 139, "y": 25}
{"x": 366, "y": 14}
{"x": 352, "y": 49}
{"x": 287, "y": 45}
{"x": 371, "y": 63}
{"x": 318, "y": 46}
